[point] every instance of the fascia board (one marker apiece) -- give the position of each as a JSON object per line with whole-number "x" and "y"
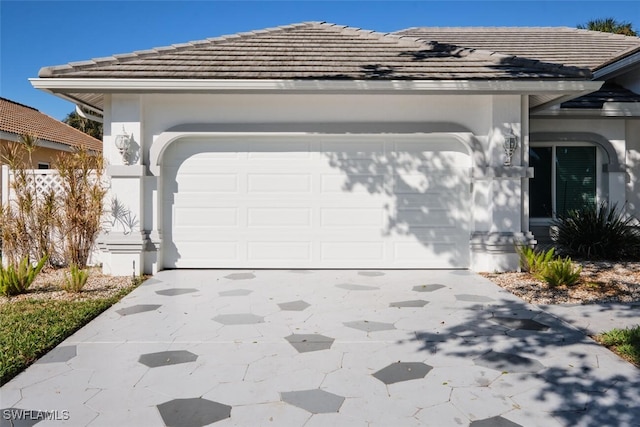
{"x": 595, "y": 85}
{"x": 609, "y": 109}
{"x": 616, "y": 68}
{"x": 57, "y": 85}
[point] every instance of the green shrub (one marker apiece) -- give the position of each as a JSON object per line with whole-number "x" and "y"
{"x": 532, "y": 260}
{"x": 16, "y": 280}
{"x": 598, "y": 232}
{"x": 560, "y": 271}
{"x": 75, "y": 280}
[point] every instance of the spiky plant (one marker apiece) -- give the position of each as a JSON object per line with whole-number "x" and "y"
{"x": 16, "y": 280}
{"x": 75, "y": 280}
{"x": 598, "y": 232}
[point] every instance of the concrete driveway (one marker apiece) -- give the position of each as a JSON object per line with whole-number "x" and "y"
{"x": 330, "y": 347}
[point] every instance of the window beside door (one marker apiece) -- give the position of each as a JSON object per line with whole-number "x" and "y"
{"x": 565, "y": 179}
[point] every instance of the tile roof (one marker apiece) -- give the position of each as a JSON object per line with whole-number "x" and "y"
{"x": 314, "y": 51}
{"x": 559, "y": 45}
{"x": 610, "y": 92}
{"x": 19, "y": 119}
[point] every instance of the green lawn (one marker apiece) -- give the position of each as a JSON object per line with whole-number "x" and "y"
{"x": 624, "y": 342}
{"x": 30, "y": 328}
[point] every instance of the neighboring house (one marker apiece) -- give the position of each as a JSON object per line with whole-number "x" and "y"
{"x": 323, "y": 146}
{"x": 53, "y": 136}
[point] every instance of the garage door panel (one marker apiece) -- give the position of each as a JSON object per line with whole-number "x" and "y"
{"x": 278, "y": 217}
{"x": 352, "y": 217}
{"x": 352, "y": 251}
{"x": 278, "y": 251}
{"x": 194, "y": 253}
{"x": 425, "y": 217}
{"x": 215, "y": 183}
{"x": 205, "y": 217}
{"x": 357, "y": 204}
{"x": 278, "y": 183}
{"x": 356, "y": 183}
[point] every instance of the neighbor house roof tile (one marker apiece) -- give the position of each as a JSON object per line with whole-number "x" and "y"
{"x": 315, "y": 51}
{"x": 19, "y": 119}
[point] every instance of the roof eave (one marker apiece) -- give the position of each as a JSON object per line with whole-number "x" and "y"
{"x": 97, "y": 85}
{"x": 609, "y": 109}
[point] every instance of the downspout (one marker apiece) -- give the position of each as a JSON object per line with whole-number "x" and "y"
{"x": 88, "y": 116}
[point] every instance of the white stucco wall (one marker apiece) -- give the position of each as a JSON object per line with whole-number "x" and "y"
{"x": 497, "y": 201}
{"x": 632, "y": 129}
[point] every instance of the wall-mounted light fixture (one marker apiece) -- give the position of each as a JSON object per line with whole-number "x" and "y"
{"x": 510, "y": 143}
{"x": 123, "y": 144}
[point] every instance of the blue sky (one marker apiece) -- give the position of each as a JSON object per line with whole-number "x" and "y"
{"x": 34, "y": 34}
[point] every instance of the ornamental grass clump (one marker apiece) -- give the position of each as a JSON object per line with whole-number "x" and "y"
{"x": 598, "y": 232}
{"x": 81, "y": 204}
{"x": 75, "y": 280}
{"x": 534, "y": 261}
{"x": 560, "y": 272}
{"x": 28, "y": 222}
{"x": 16, "y": 280}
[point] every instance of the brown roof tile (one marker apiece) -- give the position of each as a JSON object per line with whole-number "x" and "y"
{"x": 559, "y": 45}
{"x": 19, "y": 119}
{"x": 314, "y": 51}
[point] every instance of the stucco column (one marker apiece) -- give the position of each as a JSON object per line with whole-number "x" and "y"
{"x": 493, "y": 248}
{"x": 123, "y": 243}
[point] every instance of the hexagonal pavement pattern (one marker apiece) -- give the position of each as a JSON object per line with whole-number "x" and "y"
{"x": 239, "y": 319}
{"x": 521, "y": 324}
{"x": 240, "y": 276}
{"x": 315, "y": 401}
{"x": 494, "y": 422}
{"x": 508, "y": 362}
{"x": 353, "y": 287}
{"x": 59, "y": 354}
{"x": 402, "y": 371}
{"x": 305, "y": 343}
{"x": 428, "y": 288}
{"x": 176, "y": 291}
{"x": 235, "y": 293}
{"x": 473, "y": 298}
{"x": 370, "y": 326}
{"x": 294, "y": 305}
{"x": 411, "y": 303}
{"x": 166, "y": 358}
{"x": 138, "y": 308}
{"x": 291, "y": 348}
{"x": 192, "y": 412}
{"x": 371, "y": 273}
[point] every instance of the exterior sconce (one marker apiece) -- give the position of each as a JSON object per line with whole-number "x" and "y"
{"x": 123, "y": 144}
{"x": 510, "y": 143}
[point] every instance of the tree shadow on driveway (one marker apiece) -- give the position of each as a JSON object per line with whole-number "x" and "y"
{"x": 573, "y": 379}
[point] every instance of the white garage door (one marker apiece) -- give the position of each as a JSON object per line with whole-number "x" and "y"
{"x": 305, "y": 202}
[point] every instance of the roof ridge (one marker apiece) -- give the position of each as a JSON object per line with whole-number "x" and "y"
{"x": 17, "y": 103}
{"x": 548, "y": 27}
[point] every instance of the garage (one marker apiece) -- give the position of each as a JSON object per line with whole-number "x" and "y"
{"x": 316, "y": 201}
